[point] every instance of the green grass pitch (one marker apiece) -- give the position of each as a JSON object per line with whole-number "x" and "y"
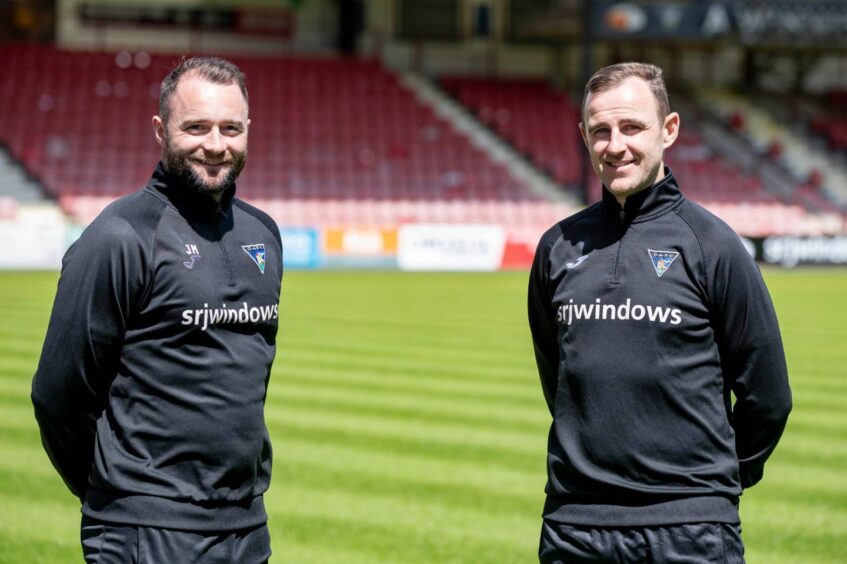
{"x": 409, "y": 426}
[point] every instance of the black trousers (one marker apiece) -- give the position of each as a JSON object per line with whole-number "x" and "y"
{"x": 693, "y": 543}
{"x": 112, "y": 543}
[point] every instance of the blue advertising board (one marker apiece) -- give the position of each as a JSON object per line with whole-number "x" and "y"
{"x": 300, "y": 247}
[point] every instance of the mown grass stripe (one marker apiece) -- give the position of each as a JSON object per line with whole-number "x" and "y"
{"x": 408, "y": 351}
{"x": 55, "y": 548}
{"x": 432, "y": 366}
{"x": 345, "y": 440}
{"x": 830, "y": 424}
{"x": 454, "y": 410}
{"x": 40, "y": 521}
{"x": 818, "y": 456}
{"x": 408, "y": 513}
{"x": 515, "y": 346}
{"x": 382, "y": 427}
{"x": 412, "y": 416}
{"x": 16, "y": 388}
{"x": 17, "y": 366}
{"x": 793, "y": 531}
{"x": 28, "y": 457}
{"x": 367, "y": 543}
{"x": 469, "y": 493}
{"x": 480, "y": 378}
{"x": 820, "y": 402}
{"x": 409, "y": 382}
{"x": 299, "y": 450}
{"x": 409, "y": 426}
{"x": 17, "y": 414}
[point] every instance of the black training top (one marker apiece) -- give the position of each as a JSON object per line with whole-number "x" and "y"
{"x": 151, "y": 386}
{"x": 644, "y": 319}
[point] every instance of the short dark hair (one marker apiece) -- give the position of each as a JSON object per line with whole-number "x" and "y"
{"x": 612, "y": 75}
{"x": 213, "y": 69}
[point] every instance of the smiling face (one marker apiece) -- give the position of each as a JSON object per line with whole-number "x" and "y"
{"x": 204, "y": 142}
{"x": 626, "y": 137}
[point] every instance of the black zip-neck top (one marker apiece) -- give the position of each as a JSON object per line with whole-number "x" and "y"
{"x": 644, "y": 205}
{"x": 151, "y": 386}
{"x": 643, "y": 323}
{"x": 188, "y": 201}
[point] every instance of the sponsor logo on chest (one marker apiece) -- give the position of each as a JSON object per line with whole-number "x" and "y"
{"x": 567, "y": 314}
{"x": 571, "y": 312}
{"x": 226, "y": 314}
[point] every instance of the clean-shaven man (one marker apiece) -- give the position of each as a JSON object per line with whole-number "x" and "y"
{"x": 646, "y": 315}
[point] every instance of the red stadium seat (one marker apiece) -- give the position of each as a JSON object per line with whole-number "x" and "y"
{"x": 323, "y": 129}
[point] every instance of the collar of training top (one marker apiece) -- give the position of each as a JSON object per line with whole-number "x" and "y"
{"x": 646, "y": 204}
{"x": 188, "y": 201}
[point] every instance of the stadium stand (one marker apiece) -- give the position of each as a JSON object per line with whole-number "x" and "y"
{"x": 335, "y": 139}
{"x": 538, "y": 121}
{"x": 542, "y": 124}
{"x": 15, "y": 184}
{"x": 831, "y": 120}
{"x": 79, "y": 121}
{"x": 773, "y": 124}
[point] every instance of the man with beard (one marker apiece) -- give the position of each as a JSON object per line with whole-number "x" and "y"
{"x": 151, "y": 385}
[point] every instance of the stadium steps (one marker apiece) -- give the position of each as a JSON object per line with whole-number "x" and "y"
{"x": 484, "y": 139}
{"x": 15, "y": 183}
{"x": 799, "y": 155}
{"x": 529, "y": 114}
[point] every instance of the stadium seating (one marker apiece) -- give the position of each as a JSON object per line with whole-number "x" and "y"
{"x": 769, "y": 123}
{"x": 333, "y": 141}
{"x": 79, "y": 121}
{"x": 543, "y": 124}
{"x": 538, "y": 121}
{"x": 708, "y": 179}
{"x": 322, "y": 130}
{"x": 830, "y": 121}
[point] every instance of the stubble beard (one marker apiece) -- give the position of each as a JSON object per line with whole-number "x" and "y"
{"x": 178, "y": 164}
{"x": 633, "y": 185}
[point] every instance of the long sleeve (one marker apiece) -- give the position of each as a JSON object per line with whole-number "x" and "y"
{"x": 542, "y": 324}
{"x": 752, "y": 358}
{"x": 101, "y": 281}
